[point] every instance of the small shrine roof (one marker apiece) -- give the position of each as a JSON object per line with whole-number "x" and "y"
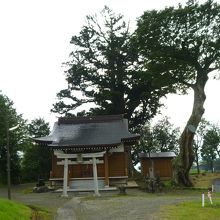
{"x": 157, "y": 155}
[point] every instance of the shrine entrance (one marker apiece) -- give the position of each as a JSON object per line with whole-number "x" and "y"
{"x": 71, "y": 159}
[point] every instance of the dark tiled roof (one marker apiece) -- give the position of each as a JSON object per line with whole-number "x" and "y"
{"x": 105, "y": 131}
{"x": 90, "y": 119}
{"x": 157, "y": 155}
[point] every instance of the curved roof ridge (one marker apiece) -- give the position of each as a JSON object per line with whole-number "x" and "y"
{"x": 89, "y": 119}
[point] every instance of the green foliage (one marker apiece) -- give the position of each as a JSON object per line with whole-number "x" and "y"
{"x": 13, "y": 210}
{"x": 210, "y": 148}
{"x": 217, "y": 165}
{"x": 166, "y": 136}
{"x": 38, "y": 128}
{"x": 181, "y": 44}
{"x": 9, "y": 118}
{"x": 161, "y": 137}
{"x": 198, "y": 140}
{"x": 106, "y": 70}
{"x": 36, "y": 162}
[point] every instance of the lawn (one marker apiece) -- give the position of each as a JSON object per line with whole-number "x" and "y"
{"x": 17, "y": 211}
{"x": 191, "y": 210}
{"x": 204, "y": 180}
{"x": 13, "y": 210}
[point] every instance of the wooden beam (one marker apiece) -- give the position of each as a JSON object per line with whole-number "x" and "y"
{"x": 70, "y": 162}
{"x": 53, "y": 161}
{"x": 126, "y": 162}
{"x": 62, "y": 155}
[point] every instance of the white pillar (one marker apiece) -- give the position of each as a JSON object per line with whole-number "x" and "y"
{"x": 95, "y": 177}
{"x": 65, "y": 178}
{"x": 203, "y": 199}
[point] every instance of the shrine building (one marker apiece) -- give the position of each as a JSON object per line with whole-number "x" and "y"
{"x": 157, "y": 164}
{"x": 89, "y": 152}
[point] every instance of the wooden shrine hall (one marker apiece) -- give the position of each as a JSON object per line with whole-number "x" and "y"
{"x": 89, "y": 152}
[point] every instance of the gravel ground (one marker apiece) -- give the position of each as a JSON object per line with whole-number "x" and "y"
{"x": 136, "y": 205}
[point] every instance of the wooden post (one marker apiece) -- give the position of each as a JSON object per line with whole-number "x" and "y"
{"x": 126, "y": 161}
{"x": 65, "y": 178}
{"x": 54, "y": 161}
{"x": 95, "y": 177}
{"x": 106, "y": 169}
{"x": 8, "y": 163}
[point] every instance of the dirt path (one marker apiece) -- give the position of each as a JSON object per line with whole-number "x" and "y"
{"x": 135, "y": 206}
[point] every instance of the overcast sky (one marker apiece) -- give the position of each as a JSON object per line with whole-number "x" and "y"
{"x": 34, "y": 42}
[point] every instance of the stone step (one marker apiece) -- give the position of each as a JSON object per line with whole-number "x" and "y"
{"x": 88, "y": 183}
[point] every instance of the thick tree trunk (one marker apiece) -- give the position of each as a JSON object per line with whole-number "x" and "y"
{"x": 186, "y": 157}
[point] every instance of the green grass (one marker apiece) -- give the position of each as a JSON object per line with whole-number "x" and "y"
{"x": 191, "y": 211}
{"x": 204, "y": 180}
{"x": 13, "y": 210}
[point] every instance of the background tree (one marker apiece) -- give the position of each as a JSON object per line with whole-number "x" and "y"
{"x": 217, "y": 165}
{"x": 198, "y": 140}
{"x": 211, "y": 146}
{"x": 146, "y": 143}
{"x": 181, "y": 46}
{"x": 105, "y": 70}
{"x": 166, "y": 136}
{"x": 161, "y": 137}
{"x": 36, "y": 161}
{"x": 9, "y": 118}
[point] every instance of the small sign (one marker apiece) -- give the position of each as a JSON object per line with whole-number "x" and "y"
{"x": 191, "y": 128}
{"x": 79, "y": 158}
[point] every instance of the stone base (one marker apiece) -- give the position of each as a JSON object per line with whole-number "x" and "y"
{"x": 40, "y": 189}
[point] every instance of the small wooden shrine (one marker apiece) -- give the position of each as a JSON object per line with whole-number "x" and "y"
{"x": 89, "y": 152}
{"x": 157, "y": 164}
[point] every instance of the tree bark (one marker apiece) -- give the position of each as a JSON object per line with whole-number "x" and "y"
{"x": 186, "y": 157}
{"x": 197, "y": 161}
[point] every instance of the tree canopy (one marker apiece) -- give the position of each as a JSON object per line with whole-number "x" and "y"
{"x": 8, "y": 119}
{"x": 211, "y": 145}
{"x": 160, "y": 137}
{"x": 105, "y": 69}
{"x": 36, "y": 162}
{"x": 28, "y": 161}
{"x": 181, "y": 46}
